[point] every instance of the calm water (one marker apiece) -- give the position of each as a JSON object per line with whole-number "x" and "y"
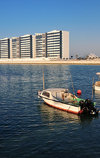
{"x": 31, "y": 129}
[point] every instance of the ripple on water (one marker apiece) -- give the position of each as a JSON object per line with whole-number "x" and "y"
{"x": 30, "y": 128}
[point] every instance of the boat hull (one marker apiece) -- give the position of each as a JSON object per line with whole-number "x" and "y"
{"x": 63, "y": 106}
{"x": 97, "y": 88}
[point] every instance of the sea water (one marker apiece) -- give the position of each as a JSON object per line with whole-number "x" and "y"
{"x": 31, "y": 129}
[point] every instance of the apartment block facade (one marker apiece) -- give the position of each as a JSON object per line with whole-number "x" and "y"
{"x": 54, "y": 44}
{"x": 15, "y": 47}
{"x": 5, "y": 48}
{"x": 40, "y": 45}
{"x": 26, "y": 50}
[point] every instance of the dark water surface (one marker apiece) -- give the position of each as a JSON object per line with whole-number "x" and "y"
{"x": 31, "y": 129}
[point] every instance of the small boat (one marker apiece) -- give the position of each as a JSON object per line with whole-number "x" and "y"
{"x": 96, "y": 85}
{"x": 62, "y": 99}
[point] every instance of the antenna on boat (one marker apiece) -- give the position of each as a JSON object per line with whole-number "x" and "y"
{"x": 92, "y": 88}
{"x": 72, "y": 83}
{"x": 43, "y": 81}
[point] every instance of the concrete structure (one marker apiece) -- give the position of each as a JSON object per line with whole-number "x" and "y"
{"x": 53, "y": 45}
{"x": 40, "y": 45}
{"x": 65, "y": 45}
{"x": 15, "y": 47}
{"x": 26, "y": 46}
{"x": 5, "y": 48}
{"x": 57, "y": 44}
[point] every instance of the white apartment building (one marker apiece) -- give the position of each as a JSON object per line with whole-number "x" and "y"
{"x": 39, "y": 45}
{"x": 53, "y": 44}
{"x": 26, "y": 46}
{"x": 5, "y": 48}
{"x": 57, "y": 44}
{"x": 15, "y": 47}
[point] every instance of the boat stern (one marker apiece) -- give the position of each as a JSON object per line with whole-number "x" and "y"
{"x": 88, "y": 107}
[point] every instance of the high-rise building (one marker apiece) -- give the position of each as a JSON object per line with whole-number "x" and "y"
{"x": 57, "y": 44}
{"x": 5, "y": 48}
{"x": 40, "y": 45}
{"x": 26, "y": 46}
{"x": 53, "y": 44}
{"x": 15, "y": 47}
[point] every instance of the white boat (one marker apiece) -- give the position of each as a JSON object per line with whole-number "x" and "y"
{"x": 60, "y": 98}
{"x": 96, "y": 85}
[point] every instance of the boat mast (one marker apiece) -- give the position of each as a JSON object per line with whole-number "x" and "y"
{"x": 92, "y": 88}
{"x": 43, "y": 82}
{"x": 72, "y": 83}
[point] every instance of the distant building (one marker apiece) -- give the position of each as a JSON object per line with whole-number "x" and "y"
{"x": 53, "y": 44}
{"x": 40, "y": 45}
{"x": 5, "y": 48}
{"x": 57, "y": 44}
{"x": 15, "y": 47}
{"x": 26, "y": 46}
{"x": 92, "y": 56}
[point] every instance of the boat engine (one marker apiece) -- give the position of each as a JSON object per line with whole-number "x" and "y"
{"x": 88, "y": 107}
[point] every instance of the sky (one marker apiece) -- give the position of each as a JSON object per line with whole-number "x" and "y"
{"x": 80, "y": 17}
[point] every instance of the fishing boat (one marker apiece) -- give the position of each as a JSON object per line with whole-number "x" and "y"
{"x": 96, "y": 85}
{"x": 62, "y": 99}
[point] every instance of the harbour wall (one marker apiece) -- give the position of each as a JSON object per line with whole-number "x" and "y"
{"x": 44, "y": 61}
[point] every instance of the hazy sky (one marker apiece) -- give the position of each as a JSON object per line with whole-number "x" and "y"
{"x": 80, "y": 17}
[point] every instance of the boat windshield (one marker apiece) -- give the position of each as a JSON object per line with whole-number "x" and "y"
{"x": 47, "y": 94}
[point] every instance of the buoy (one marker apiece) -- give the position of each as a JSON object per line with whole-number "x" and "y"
{"x": 79, "y": 92}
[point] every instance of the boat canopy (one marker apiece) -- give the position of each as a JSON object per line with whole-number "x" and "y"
{"x": 98, "y": 73}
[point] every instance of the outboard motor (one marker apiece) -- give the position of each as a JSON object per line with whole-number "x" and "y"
{"x": 88, "y": 107}
{"x": 82, "y": 104}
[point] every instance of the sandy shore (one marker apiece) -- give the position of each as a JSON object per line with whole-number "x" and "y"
{"x": 44, "y": 61}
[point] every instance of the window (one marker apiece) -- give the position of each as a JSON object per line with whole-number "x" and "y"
{"x": 46, "y": 94}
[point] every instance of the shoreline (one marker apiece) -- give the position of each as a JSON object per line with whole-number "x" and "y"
{"x": 48, "y": 62}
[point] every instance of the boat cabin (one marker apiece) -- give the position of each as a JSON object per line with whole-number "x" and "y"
{"x": 58, "y": 94}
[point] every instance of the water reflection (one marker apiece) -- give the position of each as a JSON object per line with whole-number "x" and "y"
{"x": 53, "y": 116}
{"x": 57, "y": 76}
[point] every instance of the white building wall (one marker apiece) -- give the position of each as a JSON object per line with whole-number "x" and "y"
{"x": 34, "y": 46}
{"x": 10, "y": 48}
{"x": 65, "y": 45}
